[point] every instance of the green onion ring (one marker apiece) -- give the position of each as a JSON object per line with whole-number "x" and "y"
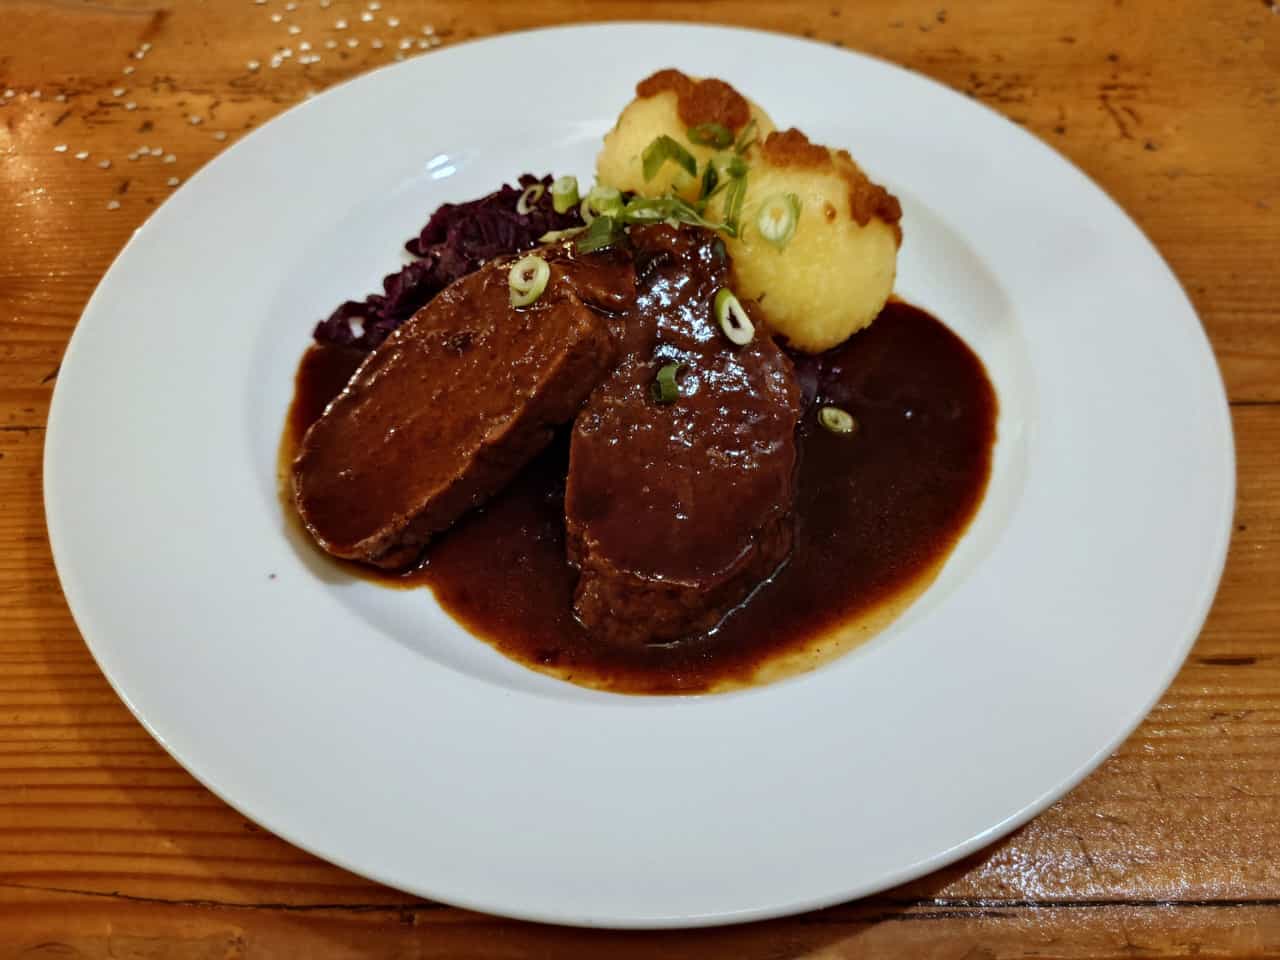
{"x": 605, "y": 200}
{"x": 527, "y": 279}
{"x": 601, "y": 201}
{"x": 665, "y": 389}
{"x": 837, "y": 420}
{"x": 778, "y": 217}
{"x": 733, "y": 320}
{"x": 532, "y": 194}
{"x": 564, "y": 193}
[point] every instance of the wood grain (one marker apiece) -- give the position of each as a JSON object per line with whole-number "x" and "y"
{"x": 109, "y": 849}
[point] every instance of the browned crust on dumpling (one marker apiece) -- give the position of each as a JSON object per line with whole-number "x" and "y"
{"x": 699, "y": 101}
{"x": 791, "y": 148}
{"x": 867, "y": 200}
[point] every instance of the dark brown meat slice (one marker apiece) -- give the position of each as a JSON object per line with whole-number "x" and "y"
{"x": 674, "y": 513}
{"x": 450, "y": 407}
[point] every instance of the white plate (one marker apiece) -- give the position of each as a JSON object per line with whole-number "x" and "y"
{"x": 362, "y": 724}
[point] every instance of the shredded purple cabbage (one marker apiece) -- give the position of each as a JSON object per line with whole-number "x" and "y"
{"x": 457, "y": 239}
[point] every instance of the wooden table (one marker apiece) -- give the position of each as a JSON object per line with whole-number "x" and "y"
{"x": 109, "y": 849}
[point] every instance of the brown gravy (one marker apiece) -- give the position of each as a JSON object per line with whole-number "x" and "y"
{"x": 877, "y": 512}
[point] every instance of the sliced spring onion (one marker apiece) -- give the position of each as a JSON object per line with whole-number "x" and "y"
{"x": 661, "y": 150}
{"x": 527, "y": 279}
{"x": 532, "y": 194}
{"x": 647, "y": 209}
{"x": 672, "y": 209}
{"x": 733, "y": 320}
{"x": 602, "y": 232}
{"x": 564, "y": 193}
{"x": 600, "y": 201}
{"x": 665, "y": 389}
{"x": 734, "y": 166}
{"x": 605, "y": 200}
{"x": 778, "y": 217}
{"x": 709, "y": 180}
{"x": 733, "y": 200}
{"x": 837, "y": 420}
{"x": 653, "y": 209}
{"x": 555, "y": 236}
{"x": 747, "y": 138}
{"x": 711, "y": 135}
{"x": 686, "y": 212}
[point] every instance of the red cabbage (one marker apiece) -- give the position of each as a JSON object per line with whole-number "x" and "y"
{"x": 457, "y": 239}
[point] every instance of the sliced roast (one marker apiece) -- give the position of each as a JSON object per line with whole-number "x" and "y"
{"x": 449, "y": 407}
{"x": 676, "y": 511}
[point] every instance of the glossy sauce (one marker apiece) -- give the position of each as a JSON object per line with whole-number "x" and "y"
{"x": 876, "y": 513}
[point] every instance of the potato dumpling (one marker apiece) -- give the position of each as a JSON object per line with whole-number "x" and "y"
{"x": 833, "y": 274}
{"x": 670, "y": 103}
